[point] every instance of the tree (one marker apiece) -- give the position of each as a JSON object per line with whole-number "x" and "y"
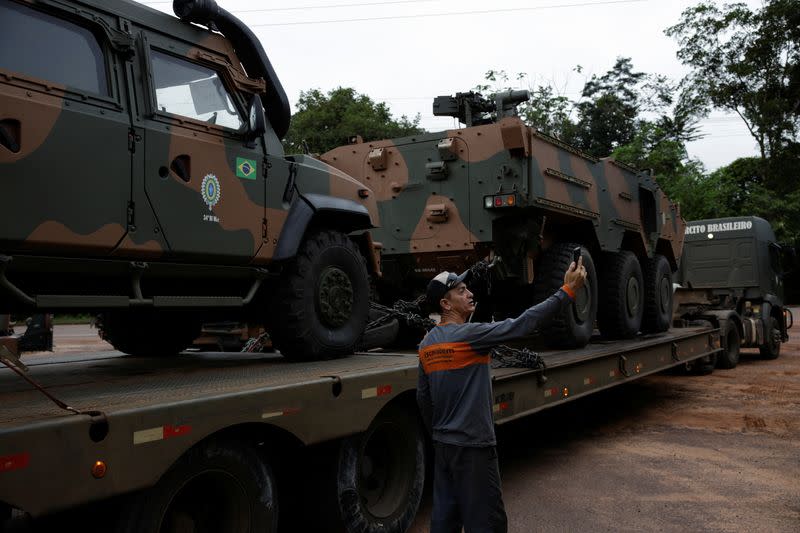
{"x": 748, "y": 62}
{"x": 325, "y": 121}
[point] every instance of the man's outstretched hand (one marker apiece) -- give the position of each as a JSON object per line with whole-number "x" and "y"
{"x": 575, "y": 276}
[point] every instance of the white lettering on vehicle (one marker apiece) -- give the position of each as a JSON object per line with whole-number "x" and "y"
{"x": 719, "y": 227}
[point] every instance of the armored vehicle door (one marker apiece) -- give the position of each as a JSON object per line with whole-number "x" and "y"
{"x": 203, "y": 179}
{"x": 64, "y": 124}
{"x": 427, "y": 202}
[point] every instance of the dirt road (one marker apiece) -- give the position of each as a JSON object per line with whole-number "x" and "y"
{"x": 667, "y": 453}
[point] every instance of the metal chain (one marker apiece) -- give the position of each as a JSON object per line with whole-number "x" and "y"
{"x": 410, "y": 312}
{"x": 506, "y": 357}
{"x": 255, "y": 344}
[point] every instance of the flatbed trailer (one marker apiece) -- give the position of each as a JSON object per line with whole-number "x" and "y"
{"x": 152, "y": 427}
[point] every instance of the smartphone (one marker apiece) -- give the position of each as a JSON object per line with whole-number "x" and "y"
{"x": 576, "y": 254}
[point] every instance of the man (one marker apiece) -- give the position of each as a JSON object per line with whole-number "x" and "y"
{"x": 454, "y": 394}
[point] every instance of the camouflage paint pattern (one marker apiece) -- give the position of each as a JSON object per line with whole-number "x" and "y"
{"x": 431, "y": 190}
{"x": 95, "y": 175}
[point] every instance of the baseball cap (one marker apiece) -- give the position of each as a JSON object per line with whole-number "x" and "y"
{"x": 439, "y": 285}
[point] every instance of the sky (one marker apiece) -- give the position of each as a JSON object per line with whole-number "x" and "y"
{"x": 406, "y": 52}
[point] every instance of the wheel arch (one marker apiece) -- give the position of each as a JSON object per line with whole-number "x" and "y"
{"x": 663, "y": 247}
{"x": 318, "y": 210}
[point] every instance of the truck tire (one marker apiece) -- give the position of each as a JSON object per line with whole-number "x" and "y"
{"x": 657, "y": 276}
{"x": 323, "y": 299}
{"x": 573, "y": 328}
{"x": 731, "y": 343}
{"x": 771, "y": 348}
{"x": 148, "y": 333}
{"x": 215, "y": 487}
{"x": 621, "y": 291}
{"x": 381, "y": 474}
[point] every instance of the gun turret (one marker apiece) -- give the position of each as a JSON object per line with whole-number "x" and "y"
{"x": 473, "y": 109}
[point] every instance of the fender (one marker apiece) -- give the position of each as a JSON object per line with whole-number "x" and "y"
{"x": 349, "y": 216}
{"x": 773, "y": 300}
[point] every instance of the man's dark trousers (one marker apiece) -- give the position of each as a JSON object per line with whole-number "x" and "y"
{"x": 466, "y": 490}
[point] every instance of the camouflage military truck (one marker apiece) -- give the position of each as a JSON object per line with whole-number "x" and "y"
{"x": 498, "y": 189}
{"x": 142, "y": 176}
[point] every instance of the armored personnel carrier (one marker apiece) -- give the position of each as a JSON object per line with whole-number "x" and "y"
{"x": 142, "y": 177}
{"x": 500, "y": 190}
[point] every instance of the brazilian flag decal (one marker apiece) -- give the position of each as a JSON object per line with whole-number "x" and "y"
{"x": 246, "y": 168}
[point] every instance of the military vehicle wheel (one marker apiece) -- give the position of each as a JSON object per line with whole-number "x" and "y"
{"x": 731, "y": 342}
{"x": 381, "y": 474}
{"x": 215, "y": 487}
{"x": 322, "y": 299}
{"x": 771, "y": 348}
{"x": 148, "y": 333}
{"x": 657, "y": 294}
{"x": 621, "y": 296}
{"x": 573, "y": 329}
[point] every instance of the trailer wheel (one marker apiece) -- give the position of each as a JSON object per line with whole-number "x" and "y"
{"x": 657, "y": 295}
{"x": 151, "y": 333}
{"x": 621, "y": 296}
{"x": 381, "y": 474}
{"x": 771, "y": 348}
{"x": 573, "y": 329}
{"x": 216, "y": 487}
{"x": 731, "y": 342}
{"x": 322, "y": 299}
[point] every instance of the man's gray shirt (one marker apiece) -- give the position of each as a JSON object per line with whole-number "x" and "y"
{"x": 454, "y": 389}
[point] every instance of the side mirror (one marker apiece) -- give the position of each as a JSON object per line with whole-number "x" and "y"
{"x": 257, "y": 120}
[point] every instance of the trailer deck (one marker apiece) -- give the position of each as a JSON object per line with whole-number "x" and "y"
{"x": 143, "y": 413}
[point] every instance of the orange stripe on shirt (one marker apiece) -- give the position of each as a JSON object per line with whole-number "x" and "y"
{"x": 450, "y": 356}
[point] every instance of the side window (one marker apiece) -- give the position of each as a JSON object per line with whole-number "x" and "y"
{"x": 775, "y": 258}
{"x": 192, "y": 91}
{"x": 46, "y": 47}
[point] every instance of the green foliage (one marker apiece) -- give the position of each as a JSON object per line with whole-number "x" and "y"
{"x": 747, "y": 62}
{"x": 325, "y": 121}
{"x": 744, "y": 190}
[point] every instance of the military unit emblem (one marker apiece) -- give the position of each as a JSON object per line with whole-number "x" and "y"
{"x": 211, "y": 191}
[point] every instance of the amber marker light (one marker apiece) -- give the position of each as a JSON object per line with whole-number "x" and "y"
{"x": 99, "y": 469}
{"x": 510, "y": 200}
{"x": 566, "y": 392}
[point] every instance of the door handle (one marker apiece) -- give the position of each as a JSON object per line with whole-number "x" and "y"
{"x": 182, "y": 167}
{"x": 10, "y": 130}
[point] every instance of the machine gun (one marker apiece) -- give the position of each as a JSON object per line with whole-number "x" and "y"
{"x": 473, "y": 109}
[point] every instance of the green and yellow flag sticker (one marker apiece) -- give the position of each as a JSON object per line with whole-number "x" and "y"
{"x": 246, "y": 168}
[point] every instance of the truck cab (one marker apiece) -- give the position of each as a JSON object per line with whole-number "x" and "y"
{"x": 731, "y": 274}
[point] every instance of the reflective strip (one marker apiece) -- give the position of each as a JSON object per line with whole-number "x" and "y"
{"x": 374, "y": 392}
{"x": 613, "y": 374}
{"x": 273, "y": 414}
{"x": 588, "y": 381}
{"x": 502, "y": 406}
{"x": 553, "y": 391}
{"x": 176, "y": 431}
{"x": 148, "y": 435}
{"x": 14, "y": 462}
{"x": 160, "y": 433}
